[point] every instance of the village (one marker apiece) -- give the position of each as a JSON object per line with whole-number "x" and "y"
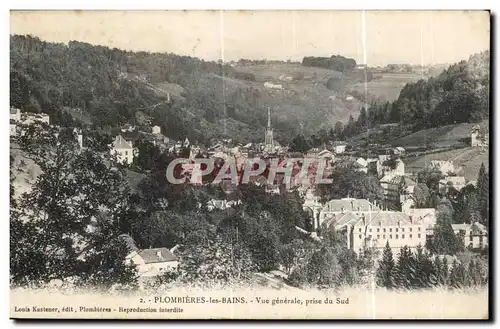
{"x": 394, "y": 220}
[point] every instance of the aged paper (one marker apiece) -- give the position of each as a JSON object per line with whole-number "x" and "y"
{"x": 249, "y": 164}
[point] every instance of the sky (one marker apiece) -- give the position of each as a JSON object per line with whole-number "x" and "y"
{"x": 376, "y": 38}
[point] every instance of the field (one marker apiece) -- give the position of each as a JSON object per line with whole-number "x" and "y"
{"x": 469, "y": 158}
{"x": 389, "y": 85}
{"x": 444, "y": 136}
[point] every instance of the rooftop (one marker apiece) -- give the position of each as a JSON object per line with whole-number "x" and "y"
{"x": 157, "y": 255}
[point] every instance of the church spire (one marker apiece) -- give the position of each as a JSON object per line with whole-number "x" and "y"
{"x": 268, "y": 118}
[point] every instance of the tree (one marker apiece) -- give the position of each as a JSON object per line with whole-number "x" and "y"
{"x": 406, "y": 269}
{"x": 483, "y": 189}
{"x": 71, "y": 215}
{"x": 300, "y": 144}
{"x": 386, "y": 269}
{"x": 421, "y": 196}
{"x": 444, "y": 240}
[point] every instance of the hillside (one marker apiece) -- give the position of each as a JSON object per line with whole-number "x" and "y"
{"x": 186, "y": 96}
{"x": 469, "y": 158}
{"x": 387, "y": 86}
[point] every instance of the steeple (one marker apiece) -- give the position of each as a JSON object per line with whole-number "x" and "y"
{"x": 268, "y": 138}
{"x": 268, "y": 118}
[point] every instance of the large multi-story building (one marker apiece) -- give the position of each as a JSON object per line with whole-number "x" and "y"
{"x": 364, "y": 224}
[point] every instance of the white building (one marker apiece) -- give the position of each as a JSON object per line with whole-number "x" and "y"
{"x": 364, "y": 224}
{"x": 156, "y": 130}
{"x": 15, "y": 114}
{"x": 475, "y": 235}
{"x": 272, "y": 86}
{"x": 456, "y": 182}
{"x": 339, "y": 148}
{"x": 479, "y": 137}
{"x": 123, "y": 149}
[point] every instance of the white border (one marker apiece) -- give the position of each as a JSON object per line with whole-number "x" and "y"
{"x": 186, "y": 4}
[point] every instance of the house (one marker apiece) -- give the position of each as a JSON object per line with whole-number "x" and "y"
{"x": 31, "y": 118}
{"x": 398, "y": 151}
{"x": 474, "y": 235}
{"x": 149, "y": 262}
{"x": 13, "y": 127}
{"x": 156, "y": 130}
{"x": 390, "y": 166}
{"x": 363, "y": 224}
{"x": 15, "y": 115}
{"x": 79, "y": 136}
{"x": 339, "y": 148}
{"x": 479, "y": 136}
{"x": 312, "y": 206}
{"x": 123, "y": 150}
{"x": 397, "y": 188}
{"x": 363, "y": 165}
{"x": 269, "y": 85}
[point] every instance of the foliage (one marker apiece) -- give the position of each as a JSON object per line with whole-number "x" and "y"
{"x": 68, "y": 223}
{"x": 386, "y": 269}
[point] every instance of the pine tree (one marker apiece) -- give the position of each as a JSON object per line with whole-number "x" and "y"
{"x": 483, "y": 188}
{"x": 386, "y": 268}
{"x": 406, "y": 269}
{"x": 445, "y": 271}
{"x": 444, "y": 240}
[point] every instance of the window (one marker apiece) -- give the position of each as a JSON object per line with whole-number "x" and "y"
{"x": 360, "y": 229}
{"x": 419, "y": 229}
{"x": 370, "y": 236}
{"x": 378, "y": 236}
{"x": 384, "y": 229}
{"x": 383, "y": 237}
{"x": 126, "y": 152}
{"x": 411, "y": 237}
{"x": 390, "y": 230}
{"x": 360, "y": 236}
{"x": 410, "y": 229}
{"x": 390, "y": 236}
{"x": 402, "y": 229}
{"x": 397, "y": 236}
{"x": 378, "y": 230}
{"x": 470, "y": 238}
{"x": 396, "y": 229}
{"x": 370, "y": 230}
{"x": 419, "y": 235}
{"x": 402, "y": 236}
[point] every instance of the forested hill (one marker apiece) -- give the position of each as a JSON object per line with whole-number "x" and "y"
{"x": 459, "y": 94}
{"x": 186, "y": 96}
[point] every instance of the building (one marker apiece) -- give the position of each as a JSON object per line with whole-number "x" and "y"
{"x": 397, "y": 189}
{"x": 15, "y": 114}
{"x": 474, "y": 235}
{"x": 312, "y": 206}
{"x": 156, "y": 130}
{"x": 479, "y": 136}
{"x": 123, "y": 150}
{"x": 399, "y": 151}
{"x": 31, "y": 118}
{"x": 363, "y": 224}
{"x": 339, "y": 148}
{"x": 426, "y": 215}
{"x": 149, "y": 262}
{"x": 13, "y": 128}
{"x": 268, "y": 137}
{"x": 272, "y": 86}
